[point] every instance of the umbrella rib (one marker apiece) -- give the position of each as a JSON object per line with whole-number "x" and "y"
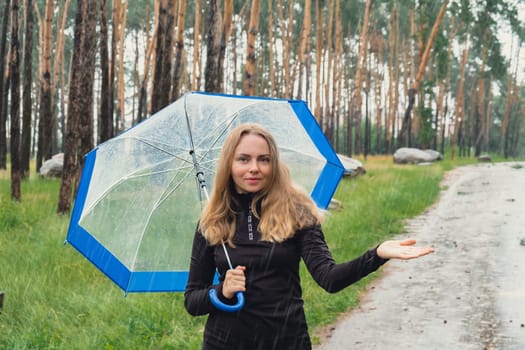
{"x": 144, "y": 141}
{"x": 161, "y": 200}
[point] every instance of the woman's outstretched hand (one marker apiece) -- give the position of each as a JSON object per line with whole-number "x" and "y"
{"x": 402, "y": 250}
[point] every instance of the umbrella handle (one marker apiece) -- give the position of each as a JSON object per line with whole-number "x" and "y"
{"x": 226, "y": 307}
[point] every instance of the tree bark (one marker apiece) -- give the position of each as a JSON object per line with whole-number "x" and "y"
{"x": 303, "y": 45}
{"x": 318, "y": 60}
{"x": 25, "y": 149}
{"x": 196, "y": 68}
{"x": 44, "y": 150}
{"x": 3, "y": 86}
{"x": 327, "y": 113}
{"x": 213, "y": 80}
{"x": 58, "y": 75}
{"x": 121, "y": 86}
{"x": 460, "y": 105}
{"x": 179, "y": 51}
{"x": 164, "y": 47}
{"x": 79, "y": 126}
{"x": 402, "y": 137}
{"x": 143, "y": 93}
{"x": 359, "y": 76}
{"x": 105, "y": 119}
{"x": 249, "y": 86}
{"x": 14, "y": 65}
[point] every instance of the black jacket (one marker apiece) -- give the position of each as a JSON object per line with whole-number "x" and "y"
{"x": 273, "y": 307}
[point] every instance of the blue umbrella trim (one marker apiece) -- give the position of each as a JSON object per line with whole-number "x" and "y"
{"x": 104, "y": 260}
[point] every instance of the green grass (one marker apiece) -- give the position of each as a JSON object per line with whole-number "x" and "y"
{"x": 55, "y": 299}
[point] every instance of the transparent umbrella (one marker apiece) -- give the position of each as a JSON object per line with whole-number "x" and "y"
{"x": 141, "y": 193}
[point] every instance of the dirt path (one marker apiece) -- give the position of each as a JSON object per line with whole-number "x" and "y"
{"x": 470, "y": 294}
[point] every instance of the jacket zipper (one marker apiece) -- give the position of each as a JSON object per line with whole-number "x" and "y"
{"x": 250, "y": 226}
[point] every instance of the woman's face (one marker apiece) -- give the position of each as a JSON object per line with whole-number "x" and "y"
{"x": 252, "y": 165}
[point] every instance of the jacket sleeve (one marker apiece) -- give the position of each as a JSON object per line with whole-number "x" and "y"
{"x": 200, "y": 279}
{"x": 326, "y": 272}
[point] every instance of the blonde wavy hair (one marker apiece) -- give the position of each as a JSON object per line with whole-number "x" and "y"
{"x": 285, "y": 208}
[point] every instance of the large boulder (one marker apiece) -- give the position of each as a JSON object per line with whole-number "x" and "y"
{"x": 407, "y": 155}
{"x": 352, "y": 166}
{"x": 53, "y": 167}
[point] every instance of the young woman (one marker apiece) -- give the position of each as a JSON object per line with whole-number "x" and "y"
{"x": 268, "y": 226}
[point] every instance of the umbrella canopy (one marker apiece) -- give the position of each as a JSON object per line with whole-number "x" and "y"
{"x": 139, "y": 198}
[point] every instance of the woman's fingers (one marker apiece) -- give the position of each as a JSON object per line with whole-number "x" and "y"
{"x": 234, "y": 281}
{"x": 408, "y": 242}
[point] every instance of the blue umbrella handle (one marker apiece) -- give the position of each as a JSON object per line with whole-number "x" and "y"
{"x": 225, "y": 307}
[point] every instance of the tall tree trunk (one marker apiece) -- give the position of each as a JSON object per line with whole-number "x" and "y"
{"x": 318, "y": 60}
{"x": 480, "y": 110}
{"x": 121, "y": 85}
{"x": 179, "y": 51}
{"x": 14, "y": 65}
{"x": 337, "y": 73}
{"x": 44, "y": 150}
{"x": 303, "y": 45}
{"x": 392, "y": 82}
{"x": 249, "y": 83}
{"x": 286, "y": 87}
{"x": 460, "y": 104}
{"x": 143, "y": 89}
{"x": 487, "y": 118}
{"x": 3, "y": 87}
{"x": 25, "y": 149}
{"x": 105, "y": 119}
{"x": 225, "y": 37}
{"x": 162, "y": 75}
{"x": 213, "y": 79}
{"x": 507, "y": 112}
{"x": 58, "y": 74}
{"x": 327, "y": 115}
{"x": 271, "y": 46}
{"x": 403, "y": 133}
{"x": 359, "y": 76}
{"x": 196, "y": 69}
{"x": 79, "y": 126}
{"x": 444, "y": 105}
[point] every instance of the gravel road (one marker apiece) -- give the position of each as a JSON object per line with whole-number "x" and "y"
{"x": 469, "y": 294}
